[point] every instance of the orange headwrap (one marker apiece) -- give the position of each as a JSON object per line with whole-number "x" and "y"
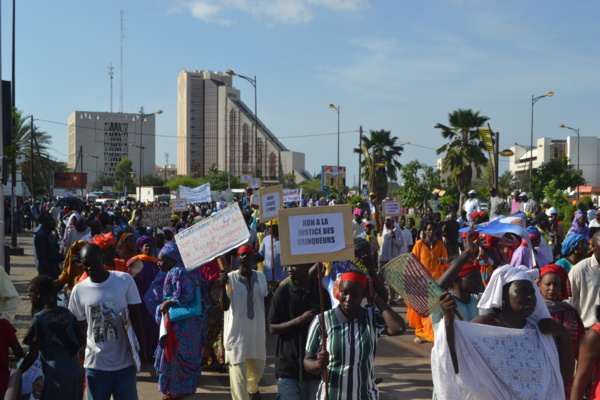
{"x": 104, "y": 240}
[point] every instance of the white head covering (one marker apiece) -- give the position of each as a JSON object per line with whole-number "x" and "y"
{"x": 492, "y": 296}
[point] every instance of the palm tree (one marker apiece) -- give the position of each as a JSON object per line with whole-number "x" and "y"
{"x": 43, "y": 164}
{"x": 379, "y": 151}
{"x": 465, "y": 150}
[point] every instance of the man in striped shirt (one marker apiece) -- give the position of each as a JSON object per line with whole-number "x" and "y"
{"x": 352, "y": 334}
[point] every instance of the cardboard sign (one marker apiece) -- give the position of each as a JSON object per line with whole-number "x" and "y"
{"x": 391, "y": 208}
{"x": 246, "y": 178}
{"x": 200, "y": 194}
{"x": 155, "y": 216}
{"x": 254, "y": 183}
{"x": 314, "y": 234}
{"x": 213, "y": 236}
{"x": 290, "y": 195}
{"x": 179, "y": 204}
{"x": 271, "y": 200}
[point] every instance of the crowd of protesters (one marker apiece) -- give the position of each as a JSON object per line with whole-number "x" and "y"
{"x": 128, "y": 299}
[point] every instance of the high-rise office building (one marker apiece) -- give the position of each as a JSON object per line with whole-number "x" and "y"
{"x": 107, "y": 138}
{"x": 216, "y": 129}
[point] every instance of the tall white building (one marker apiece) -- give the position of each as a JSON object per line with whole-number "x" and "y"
{"x": 587, "y": 152}
{"x": 107, "y": 138}
{"x": 215, "y": 127}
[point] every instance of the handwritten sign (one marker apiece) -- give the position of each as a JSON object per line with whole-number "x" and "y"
{"x": 391, "y": 207}
{"x": 271, "y": 200}
{"x": 213, "y": 236}
{"x": 314, "y": 234}
{"x": 155, "y": 216}
{"x": 200, "y": 194}
{"x": 254, "y": 183}
{"x": 179, "y": 204}
{"x": 246, "y": 178}
{"x": 290, "y": 195}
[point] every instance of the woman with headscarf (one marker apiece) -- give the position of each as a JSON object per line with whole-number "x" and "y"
{"x": 580, "y": 226}
{"x": 515, "y": 352}
{"x": 143, "y": 268}
{"x": 432, "y": 254}
{"x": 574, "y": 249}
{"x": 126, "y": 247}
{"x": 177, "y": 376}
{"x": 72, "y": 267}
{"x": 554, "y": 286}
{"x": 522, "y": 256}
{"x": 213, "y": 353}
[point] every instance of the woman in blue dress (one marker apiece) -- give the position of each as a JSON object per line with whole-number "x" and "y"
{"x": 177, "y": 377}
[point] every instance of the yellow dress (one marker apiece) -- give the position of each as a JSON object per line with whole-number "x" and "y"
{"x": 430, "y": 259}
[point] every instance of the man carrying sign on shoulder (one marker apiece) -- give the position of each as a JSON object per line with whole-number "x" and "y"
{"x": 266, "y": 254}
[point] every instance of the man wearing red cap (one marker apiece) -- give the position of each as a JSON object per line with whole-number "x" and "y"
{"x": 244, "y": 336}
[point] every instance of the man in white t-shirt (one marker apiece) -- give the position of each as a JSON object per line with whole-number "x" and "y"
{"x": 471, "y": 205}
{"x": 244, "y": 336}
{"x": 100, "y": 304}
{"x": 406, "y": 236}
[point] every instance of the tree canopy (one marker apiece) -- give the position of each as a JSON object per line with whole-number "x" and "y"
{"x": 418, "y": 182}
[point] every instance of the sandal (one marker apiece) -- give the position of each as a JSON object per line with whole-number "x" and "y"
{"x": 418, "y": 340}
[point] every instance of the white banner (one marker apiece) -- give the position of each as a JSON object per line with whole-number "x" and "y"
{"x": 212, "y": 237}
{"x": 290, "y": 195}
{"x": 311, "y": 234}
{"x": 200, "y": 194}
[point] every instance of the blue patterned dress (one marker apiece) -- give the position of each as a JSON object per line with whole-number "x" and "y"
{"x": 181, "y": 374}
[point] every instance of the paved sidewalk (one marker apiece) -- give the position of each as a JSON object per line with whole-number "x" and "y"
{"x": 404, "y": 366}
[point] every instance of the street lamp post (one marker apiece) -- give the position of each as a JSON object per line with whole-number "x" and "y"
{"x": 534, "y": 99}
{"x": 337, "y": 109}
{"x": 141, "y": 147}
{"x": 253, "y": 83}
{"x": 576, "y": 130}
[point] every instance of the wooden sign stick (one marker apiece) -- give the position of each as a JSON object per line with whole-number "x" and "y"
{"x": 323, "y": 328}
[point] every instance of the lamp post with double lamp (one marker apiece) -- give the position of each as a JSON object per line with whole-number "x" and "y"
{"x": 337, "y": 109}
{"x": 96, "y": 157}
{"x": 141, "y": 147}
{"x": 576, "y": 130}
{"x": 534, "y": 99}
{"x": 253, "y": 83}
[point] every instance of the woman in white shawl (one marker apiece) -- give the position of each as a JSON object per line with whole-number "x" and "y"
{"x": 510, "y": 353}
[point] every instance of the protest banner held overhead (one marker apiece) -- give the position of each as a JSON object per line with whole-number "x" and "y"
{"x": 271, "y": 200}
{"x": 179, "y": 205}
{"x": 290, "y": 195}
{"x": 200, "y": 194}
{"x": 155, "y": 216}
{"x": 254, "y": 183}
{"x": 245, "y": 178}
{"x": 391, "y": 208}
{"x": 212, "y": 237}
{"x": 315, "y": 234}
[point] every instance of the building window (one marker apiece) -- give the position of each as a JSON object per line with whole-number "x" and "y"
{"x": 232, "y": 142}
{"x": 245, "y": 149}
{"x": 272, "y": 166}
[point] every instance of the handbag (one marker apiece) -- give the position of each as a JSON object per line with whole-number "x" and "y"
{"x": 194, "y": 309}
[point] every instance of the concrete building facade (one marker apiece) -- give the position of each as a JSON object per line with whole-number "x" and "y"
{"x": 214, "y": 127}
{"x": 107, "y": 138}
{"x": 588, "y": 152}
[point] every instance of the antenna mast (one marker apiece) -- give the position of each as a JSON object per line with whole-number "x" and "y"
{"x": 121, "y": 66}
{"x": 111, "y": 73}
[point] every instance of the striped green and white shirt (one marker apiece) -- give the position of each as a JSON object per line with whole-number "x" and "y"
{"x": 351, "y": 346}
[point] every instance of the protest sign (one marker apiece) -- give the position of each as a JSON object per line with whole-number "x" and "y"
{"x": 314, "y": 234}
{"x": 290, "y": 195}
{"x": 212, "y": 237}
{"x": 200, "y": 194}
{"x": 179, "y": 204}
{"x": 391, "y": 208}
{"x": 254, "y": 198}
{"x": 246, "y": 178}
{"x": 254, "y": 183}
{"x": 271, "y": 200}
{"x": 155, "y": 216}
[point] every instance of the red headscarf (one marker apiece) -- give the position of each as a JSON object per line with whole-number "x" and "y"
{"x": 565, "y": 284}
{"x": 468, "y": 268}
{"x": 354, "y": 277}
{"x": 477, "y": 214}
{"x": 244, "y": 249}
{"x": 104, "y": 240}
